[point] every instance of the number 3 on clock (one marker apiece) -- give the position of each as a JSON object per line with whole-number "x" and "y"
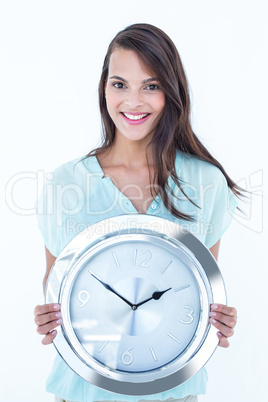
{"x": 189, "y": 315}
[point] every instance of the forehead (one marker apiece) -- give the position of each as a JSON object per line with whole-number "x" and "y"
{"x": 127, "y": 63}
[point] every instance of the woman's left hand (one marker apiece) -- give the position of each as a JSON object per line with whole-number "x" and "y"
{"x": 224, "y": 319}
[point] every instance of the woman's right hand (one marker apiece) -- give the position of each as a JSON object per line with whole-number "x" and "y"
{"x": 47, "y": 317}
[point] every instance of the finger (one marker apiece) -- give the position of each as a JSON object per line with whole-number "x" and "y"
{"x": 46, "y": 328}
{"x": 45, "y": 318}
{"x": 224, "y": 329}
{"x": 229, "y": 321}
{"x": 49, "y": 338}
{"x": 46, "y": 308}
{"x": 221, "y": 308}
{"x": 223, "y": 341}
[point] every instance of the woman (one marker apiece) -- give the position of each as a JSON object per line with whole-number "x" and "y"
{"x": 150, "y": 162}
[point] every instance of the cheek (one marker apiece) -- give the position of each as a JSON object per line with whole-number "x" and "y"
{"x": 160, "y": 103}
{"x": 112, "y": 100}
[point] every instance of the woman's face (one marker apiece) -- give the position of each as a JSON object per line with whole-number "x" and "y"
{"x": 135, "y": 101}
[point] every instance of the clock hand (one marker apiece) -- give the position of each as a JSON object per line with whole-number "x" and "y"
{"x": 155, "y": 296}
{"x": 108, "y": 287}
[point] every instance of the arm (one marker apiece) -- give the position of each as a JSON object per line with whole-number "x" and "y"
{"x": 222, "y": 317}
{"x": 47, "y": 316}
{"x": 215, "y": 250}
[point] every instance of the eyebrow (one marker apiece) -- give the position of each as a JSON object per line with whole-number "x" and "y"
{"x": 123, "y": 80}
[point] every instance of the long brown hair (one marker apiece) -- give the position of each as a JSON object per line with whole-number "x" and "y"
{"x": 174, "y": 131}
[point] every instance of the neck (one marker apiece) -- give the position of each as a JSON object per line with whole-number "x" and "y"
{"x": 130, "y": 154}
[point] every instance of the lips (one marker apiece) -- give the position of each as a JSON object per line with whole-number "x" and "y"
{"x": 135, "y": 118}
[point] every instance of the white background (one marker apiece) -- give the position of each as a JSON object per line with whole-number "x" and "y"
{"x": 51, "y": 56}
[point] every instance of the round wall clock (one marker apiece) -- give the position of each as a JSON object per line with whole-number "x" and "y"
{"x": 135, "y": 294}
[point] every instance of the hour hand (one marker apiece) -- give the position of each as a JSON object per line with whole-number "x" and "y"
{"x": 156, "y": 296}
{"x": 108, "y": 287}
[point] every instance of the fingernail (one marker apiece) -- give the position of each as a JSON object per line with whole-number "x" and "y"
{"x": 214, "y": 306}
{"x": 56, "y": 306}
{"x": 212, "y": 320}
{"x": 58, "y": 315}
{"x": 213, "y": 314}
{"x": 53, "y": 332}
{"x": 58, "y": 321}
{"x": 219, "y": 333}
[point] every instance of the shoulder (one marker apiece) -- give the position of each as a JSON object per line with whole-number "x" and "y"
{"x": 67, "y": 170}
{"x": 75, "y": 171}
{"x": 197, "y": 171}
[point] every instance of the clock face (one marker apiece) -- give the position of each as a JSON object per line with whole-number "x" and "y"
{"x": 135, "y": 307}
{"x": 140, "y": 335}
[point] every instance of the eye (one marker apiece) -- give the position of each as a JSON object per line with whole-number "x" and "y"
{"x": 118, "y": 85}
{"x": 152, "y": 87}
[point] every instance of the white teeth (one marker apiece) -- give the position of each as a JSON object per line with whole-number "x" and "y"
{"x": 137, "y": 117}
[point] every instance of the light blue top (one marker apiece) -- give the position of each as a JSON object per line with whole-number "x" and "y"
{"x": 77, "y": 195}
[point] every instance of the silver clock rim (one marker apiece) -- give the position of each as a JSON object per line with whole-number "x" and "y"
{"x": 153, "y": 381}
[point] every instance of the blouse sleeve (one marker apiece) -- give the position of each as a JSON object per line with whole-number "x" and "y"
{"x": 48, "y": 215}
{"x": 220, "y": 205}
{"x": 58, "y": 199}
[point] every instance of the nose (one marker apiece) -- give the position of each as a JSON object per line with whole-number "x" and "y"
{"x": 133, "y": 99}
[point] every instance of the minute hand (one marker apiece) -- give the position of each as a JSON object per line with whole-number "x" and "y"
{"x": 155, "y": 296}
{"x": 108, "y": 287}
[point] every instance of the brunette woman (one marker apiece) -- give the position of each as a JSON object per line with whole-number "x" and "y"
{"x": 150, "y": 162}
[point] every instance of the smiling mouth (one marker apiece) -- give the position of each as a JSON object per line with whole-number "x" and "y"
{"x": 136, "y": 116}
